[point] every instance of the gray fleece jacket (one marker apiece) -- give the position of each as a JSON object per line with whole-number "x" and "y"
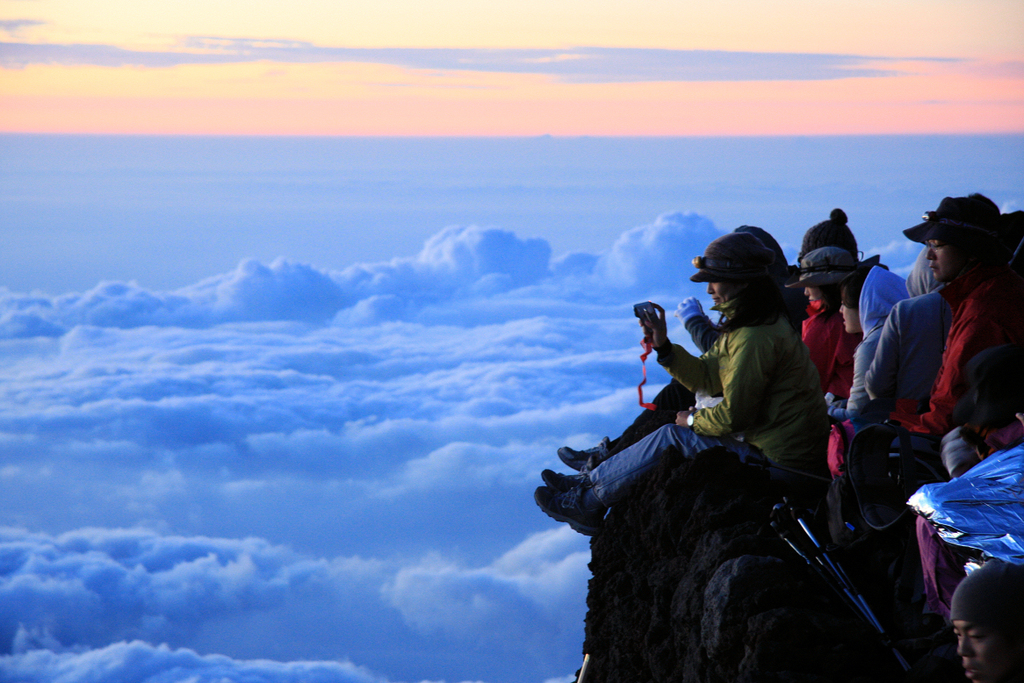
{"x": 909, "y": 349}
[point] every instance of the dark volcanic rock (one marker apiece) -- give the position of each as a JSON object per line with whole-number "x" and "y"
{"x": 690, "y": 584}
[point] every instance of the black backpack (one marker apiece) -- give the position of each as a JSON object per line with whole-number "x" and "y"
{"x": 885, "y": 465}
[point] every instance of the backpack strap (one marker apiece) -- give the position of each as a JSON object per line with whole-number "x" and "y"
{"x": 908, "y": 462}
{"x": 882, "y": 500}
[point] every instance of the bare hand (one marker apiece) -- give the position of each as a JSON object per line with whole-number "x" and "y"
{"x": 655, "y": 329}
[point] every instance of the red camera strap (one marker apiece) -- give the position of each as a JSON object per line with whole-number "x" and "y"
{"x": 643, "y": 363}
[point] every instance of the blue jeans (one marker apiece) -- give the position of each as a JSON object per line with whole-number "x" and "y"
{"x": 612, "y": 479}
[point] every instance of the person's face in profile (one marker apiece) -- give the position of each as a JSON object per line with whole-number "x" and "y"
{"x": 725, "y": 291}
{"x": 988, "y": 655}
{"x": 946, "y": 260}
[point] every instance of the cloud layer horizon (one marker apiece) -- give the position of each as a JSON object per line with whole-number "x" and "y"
{"x": 281, "y": 473}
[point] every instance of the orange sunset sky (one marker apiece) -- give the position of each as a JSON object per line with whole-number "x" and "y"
{"x": 529, "y": 67}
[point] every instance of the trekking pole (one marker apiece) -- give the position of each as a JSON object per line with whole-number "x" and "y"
{"x": 841, "y": 592}
{"x": 841, "y": 578}
{"x": 583, "y": 669}
{"x": 823, "y": 567}
{"x": 854, "y": 595}
{"x": 831, "y": 573}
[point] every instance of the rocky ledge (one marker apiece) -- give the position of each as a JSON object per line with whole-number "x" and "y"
{"x": 691, "y": 584}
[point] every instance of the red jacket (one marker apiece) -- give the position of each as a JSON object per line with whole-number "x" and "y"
{"x": 988, "y": 310}
{"x": 831, "y": 349}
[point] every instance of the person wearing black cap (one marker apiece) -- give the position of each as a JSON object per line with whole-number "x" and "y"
{"x": 985, "y": 295}
{"x": 988, "y": 619}
{"x": 703, "y": 332}
{"x": 770, "y": 389}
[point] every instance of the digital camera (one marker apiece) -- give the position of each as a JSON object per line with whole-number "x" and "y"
{"x": 645, "y": 311}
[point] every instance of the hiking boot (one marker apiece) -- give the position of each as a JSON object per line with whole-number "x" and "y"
{"x": 561, "y": 482}
{"x": 578, "y": 459}
{"x": 584, "y": 516}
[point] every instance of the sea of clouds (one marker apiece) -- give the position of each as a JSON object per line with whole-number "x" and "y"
{"x": 296, "y": 472}
{"x": 282, "y": 473}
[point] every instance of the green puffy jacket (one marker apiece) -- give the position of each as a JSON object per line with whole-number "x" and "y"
{"x": 771, "y": 392}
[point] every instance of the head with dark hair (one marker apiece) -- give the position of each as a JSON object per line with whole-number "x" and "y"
{"x": 979, "y": 197}
{"x": 851, "y": 286}
{"x": 736, "y": 268}
{"x": 821, "y": 271}
{"x": 759, "y": 302}
{"x": 831, "y": 233}
{"x": 996, "y": 388}
{"x": 1011, "y": 233}
{"x": 831, "y": 299}
{"x": 849, "y": 292}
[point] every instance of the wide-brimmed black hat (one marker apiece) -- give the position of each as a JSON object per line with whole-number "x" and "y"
{"x": 996, "y": 394}
{"x": 969, "y": 223}
{"x": 736, "y": 256}
{"x": 826, "y": 266}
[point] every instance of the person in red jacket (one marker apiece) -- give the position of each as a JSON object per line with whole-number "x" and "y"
{"x": 985, "y": 295}
{"x": 830, "y": 345}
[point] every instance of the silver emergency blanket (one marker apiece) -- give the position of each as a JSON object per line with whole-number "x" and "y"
{"x": 983, "y": 509}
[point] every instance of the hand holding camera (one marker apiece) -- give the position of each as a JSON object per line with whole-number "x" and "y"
{"x": 652, "y": 319}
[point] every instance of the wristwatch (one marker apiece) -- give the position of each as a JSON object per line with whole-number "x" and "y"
{"x": 689, "y": 419}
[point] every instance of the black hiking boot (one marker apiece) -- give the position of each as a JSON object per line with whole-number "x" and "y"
{"x": 577, "y": 459}
{"x": 561, "y": 482}
{"x": 569, "y": 507}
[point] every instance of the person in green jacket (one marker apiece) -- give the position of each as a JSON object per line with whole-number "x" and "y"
{"x": 771, "y": 392}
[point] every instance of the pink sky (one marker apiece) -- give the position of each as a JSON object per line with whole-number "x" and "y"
{"x": 426, "y": 68}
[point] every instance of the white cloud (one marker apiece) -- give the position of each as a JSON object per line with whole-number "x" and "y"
{"x": 94, "y": 586}
{"x": 576, "y": 64}
{"x": 464, "y": 277}
{"x": 457, "y": 263}
{"x": 64, "y": 599}
{"x": 237, "y": 371}
{"x": 287, "y": 463}
{"x": 897, "y": 250}
{"x": 140, "y": 662}
{"x": 542, "y": 580}
{"x": 657, "y": 253}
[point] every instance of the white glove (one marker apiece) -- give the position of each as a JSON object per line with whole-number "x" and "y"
{"x": 689, "y": 308}
{"x": 957, "y": 455}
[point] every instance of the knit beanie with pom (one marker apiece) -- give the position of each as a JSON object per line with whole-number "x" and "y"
{"x": 830, "y": 233}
